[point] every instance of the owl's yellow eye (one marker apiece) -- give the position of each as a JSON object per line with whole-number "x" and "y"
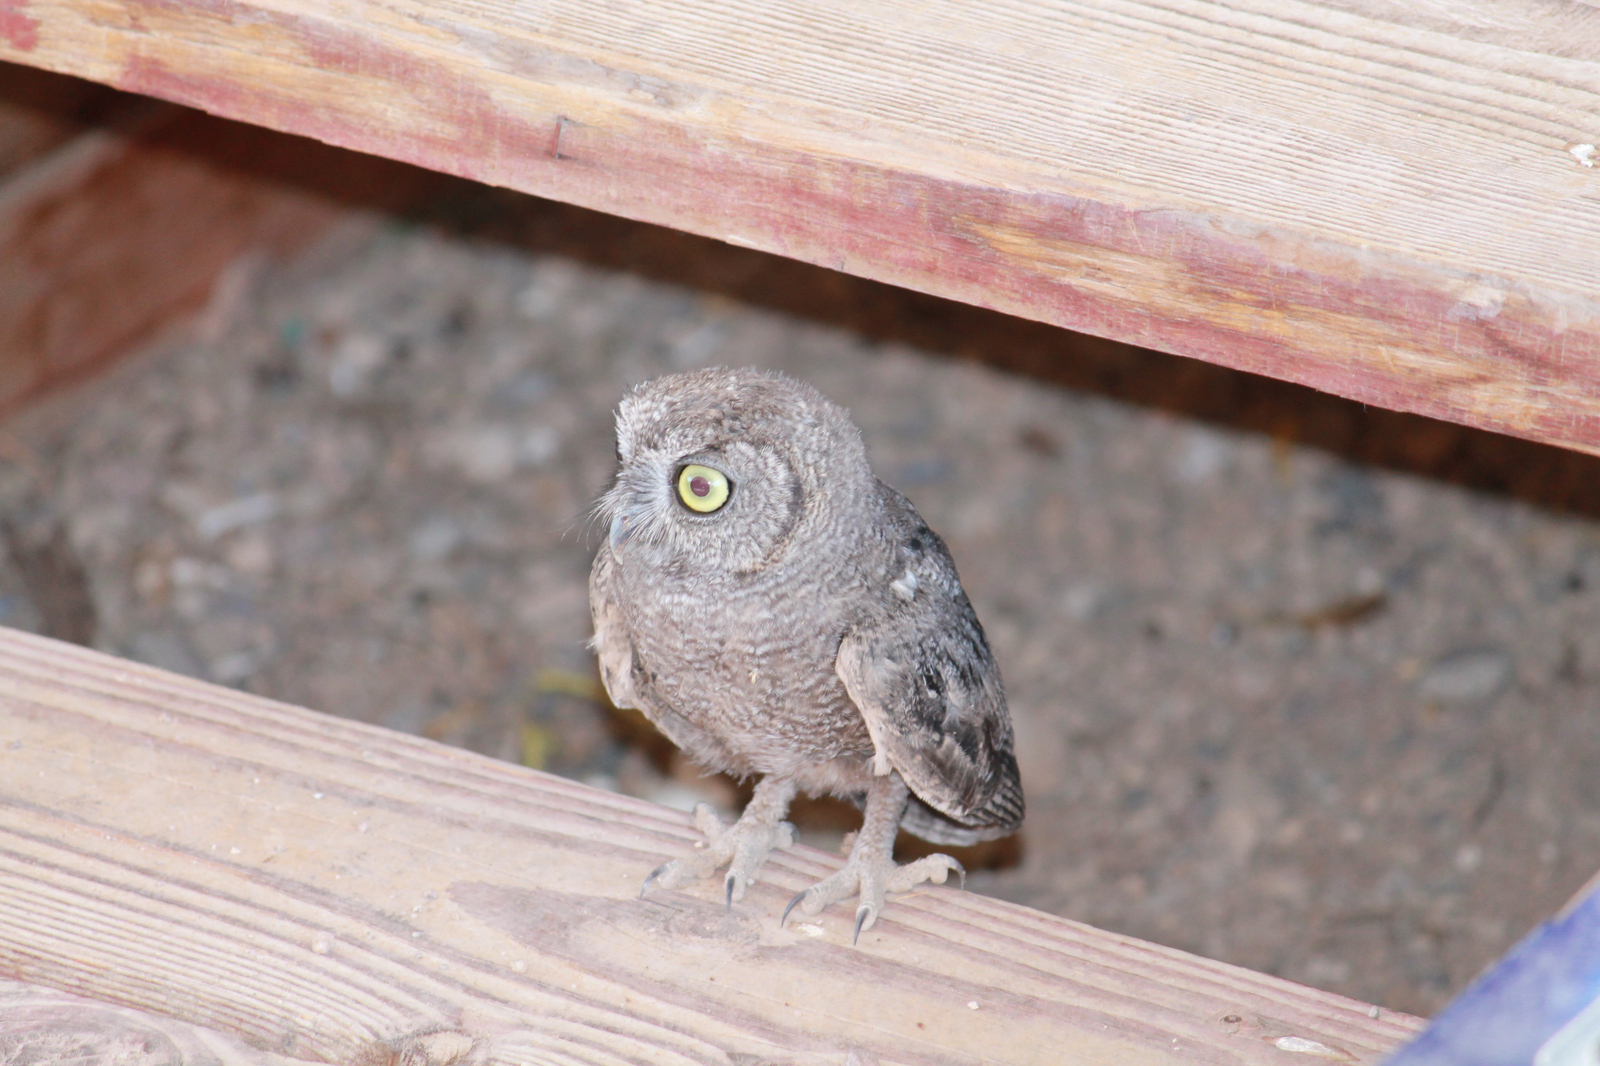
{"x": 702, "y": 488}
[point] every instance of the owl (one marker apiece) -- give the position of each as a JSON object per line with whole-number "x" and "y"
{"x": 780, "y": 613}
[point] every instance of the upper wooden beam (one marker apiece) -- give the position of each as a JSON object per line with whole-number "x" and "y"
{"x": 334, "y": 892}
{"x": 1390, "y": 202}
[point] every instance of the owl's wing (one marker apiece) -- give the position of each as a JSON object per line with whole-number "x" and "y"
{"x": 611, "y": 643}
{"x": 929, "y": 690}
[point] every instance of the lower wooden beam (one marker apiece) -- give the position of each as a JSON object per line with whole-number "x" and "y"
{"x": 329, "y": 891}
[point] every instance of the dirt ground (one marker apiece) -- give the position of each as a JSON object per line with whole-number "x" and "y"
{"x": 1300, "y": 686}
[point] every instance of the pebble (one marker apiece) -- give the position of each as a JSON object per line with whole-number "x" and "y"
{"x": 1467, "y": 676}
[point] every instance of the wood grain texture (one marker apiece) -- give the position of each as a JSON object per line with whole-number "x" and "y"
{"x": 117, "y": 231}
{"x": 1388, "y": 201}
{"x": 48, "y": 1027}
{"x": 327, "y": 891}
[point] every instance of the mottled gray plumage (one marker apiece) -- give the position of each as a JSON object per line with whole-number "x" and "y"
{"x": 811, "y": 630}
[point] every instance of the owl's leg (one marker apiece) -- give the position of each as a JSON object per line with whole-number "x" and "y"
{"x": 870, "y": 871}
{"x": 742, "y": 846}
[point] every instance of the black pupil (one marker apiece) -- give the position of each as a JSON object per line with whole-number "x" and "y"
{"x": 699, "y": 486}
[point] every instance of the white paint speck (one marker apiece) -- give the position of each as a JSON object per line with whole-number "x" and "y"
{"x": 316, "y": 795}
{"x": 1477, "y": 302}
{"x": 1304, "y": 1046}
{"x": 521, "y": 967}
{"x": 809, "y": 929}
{"x": 233, "y": 851}
{"x": 1584, "y": 153}
{"x": 972, "y": 1004}
{"x": 320, "y": 945}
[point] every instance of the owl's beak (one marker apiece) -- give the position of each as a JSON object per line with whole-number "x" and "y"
{"x": 620, "y": 529}
{"x": 630, "y": 512}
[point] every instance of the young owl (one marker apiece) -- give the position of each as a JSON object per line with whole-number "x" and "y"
{"x": 776, "y": 610}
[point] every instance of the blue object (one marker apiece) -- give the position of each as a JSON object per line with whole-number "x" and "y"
{"x": 1538, "y": 1006}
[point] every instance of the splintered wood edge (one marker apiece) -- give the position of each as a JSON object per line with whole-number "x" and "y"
{"x": 323, "y": 890}
{"x": 1243, "y": 269}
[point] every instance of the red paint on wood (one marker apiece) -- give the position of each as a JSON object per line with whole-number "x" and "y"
{"x": 1369, "y": 325}
{"x": 17, "y": 28}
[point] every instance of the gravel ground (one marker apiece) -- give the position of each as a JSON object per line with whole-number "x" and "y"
{"x": 1330, "y": 720}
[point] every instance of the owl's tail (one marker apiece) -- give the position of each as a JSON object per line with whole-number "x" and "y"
{"x": 1000, "y": 816}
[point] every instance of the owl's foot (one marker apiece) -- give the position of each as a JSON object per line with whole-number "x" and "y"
{"x": 872, "y": 878}
{"x": 742, "y": 847}
{"x": 870, "y": 871}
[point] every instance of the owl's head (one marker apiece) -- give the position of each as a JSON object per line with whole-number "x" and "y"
{"x": 721, "y": 468}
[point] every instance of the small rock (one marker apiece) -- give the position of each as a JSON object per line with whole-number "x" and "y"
{"x": 434, "y": 539}
{"x": 539, "y": 445}
{"x": 1085, "y": 602}
{"x": 1467, "y": 676}
{"x": 236, "y": 514}
{"x": 164, "y": 650}
{"x": 232, "y": 667}
{"x": 356, "y": 363}
{"x": 1205, "y": 454}
{"x": 484, "y": 454}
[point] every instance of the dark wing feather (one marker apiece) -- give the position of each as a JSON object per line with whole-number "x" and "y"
{"x": 929, "y": 690}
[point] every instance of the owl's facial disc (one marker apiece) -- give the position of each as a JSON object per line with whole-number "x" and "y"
{"x": 701, "y": 503}
{"x": 703, "y": 489}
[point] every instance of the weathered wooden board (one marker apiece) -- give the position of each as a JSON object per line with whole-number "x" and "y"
{"x": 48, "y": 1027}
{"x": 111, "y": 231}
{"x": 333, "y": 892}
{"x": 1392, "y": 202}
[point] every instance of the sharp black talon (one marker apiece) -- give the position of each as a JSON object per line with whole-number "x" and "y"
{"x": 798, "y": 897}
{"x": 648, "y": 881}
{"x": 861, "y": 915}
{"x": 732, "y": 880}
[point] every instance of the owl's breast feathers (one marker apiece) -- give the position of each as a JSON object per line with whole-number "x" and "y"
{"x": 623, "y": 674}
{"x": 921, "y": 672}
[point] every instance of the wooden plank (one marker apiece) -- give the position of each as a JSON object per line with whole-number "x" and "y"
{"x": 1390, "y": 202}
{"x": 110, "y": 233}
{"x": 330, "y": 891}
